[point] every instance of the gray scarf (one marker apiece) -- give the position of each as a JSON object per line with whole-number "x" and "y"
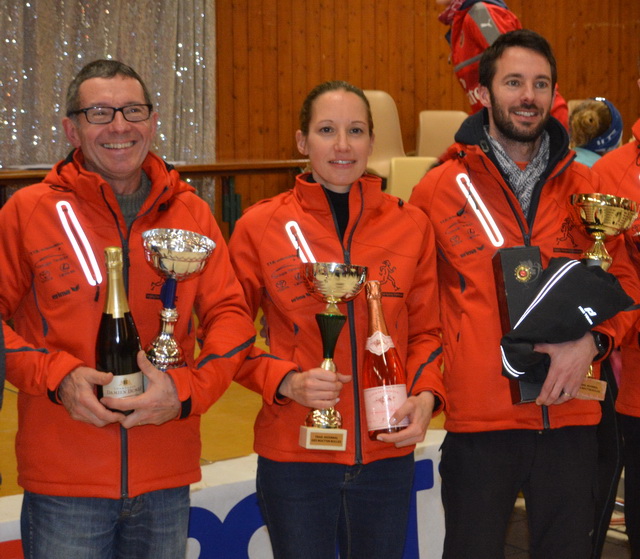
{"x": 522, "y": 181}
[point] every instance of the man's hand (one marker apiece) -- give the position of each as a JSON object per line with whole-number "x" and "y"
{"x": 77, "y": 394}
{"x": 158, "y": 404}
{"x": 419, "y": 410}
{"x": 570, "y": 363}
{"x": 316, "y": 388}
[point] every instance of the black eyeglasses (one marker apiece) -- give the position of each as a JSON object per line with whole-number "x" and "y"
{"x": 105, "y": 115}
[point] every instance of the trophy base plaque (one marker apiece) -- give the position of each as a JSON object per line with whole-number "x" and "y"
{"x": 320, "y": 438}
{"x": 592, "y": 388}
{"x": 526, "y": 392}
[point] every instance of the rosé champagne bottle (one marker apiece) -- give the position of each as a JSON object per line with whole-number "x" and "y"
{"x": 383, "y": 378}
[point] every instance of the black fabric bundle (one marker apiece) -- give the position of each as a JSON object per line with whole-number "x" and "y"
{"x": 571, "y": 300}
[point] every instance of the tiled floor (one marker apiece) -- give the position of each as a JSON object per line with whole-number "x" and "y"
{"x": 615, "y": 547}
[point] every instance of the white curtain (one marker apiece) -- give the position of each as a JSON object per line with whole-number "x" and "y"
{"x": 43, "y": 44}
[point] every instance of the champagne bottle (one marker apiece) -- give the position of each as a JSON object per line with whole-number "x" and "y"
{"x": 118, "y": 343}
{"x": 384, "y": 380}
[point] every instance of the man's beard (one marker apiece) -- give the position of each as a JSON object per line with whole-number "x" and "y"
{"x": 510, "y": 131}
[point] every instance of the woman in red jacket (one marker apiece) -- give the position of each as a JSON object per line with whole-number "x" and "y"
{"x": 357, "y": 497}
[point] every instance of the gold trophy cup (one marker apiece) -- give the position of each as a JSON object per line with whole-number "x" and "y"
{"x": 332, "y": 283}
{"x": 602, "y": 216}
{"x": 176, "y": 255}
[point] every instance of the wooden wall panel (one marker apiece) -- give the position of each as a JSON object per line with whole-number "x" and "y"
{"x": 272, "y": 52}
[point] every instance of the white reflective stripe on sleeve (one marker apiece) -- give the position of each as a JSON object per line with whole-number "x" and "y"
{"x": 486, "y": 220}
{"x": 299, "y": 242}
{"x": 66, "y": 213}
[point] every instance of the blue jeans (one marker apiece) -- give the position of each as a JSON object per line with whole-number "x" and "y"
{"x": 151, "y": 526}
{"x": 309, "y": 508}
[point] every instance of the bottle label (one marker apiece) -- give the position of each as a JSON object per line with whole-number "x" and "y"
{"x": 379, "y": 343}
{"x": 381, "y": 402}
{"x": 123, "y": 386}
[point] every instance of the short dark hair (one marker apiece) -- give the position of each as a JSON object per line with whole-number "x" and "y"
{"x": 524, "y": 38}
{"x": 335, "y": 85}
{"x": 101, "y": 69}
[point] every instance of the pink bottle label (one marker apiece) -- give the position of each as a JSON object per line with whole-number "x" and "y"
{"x": 381, "y": 402}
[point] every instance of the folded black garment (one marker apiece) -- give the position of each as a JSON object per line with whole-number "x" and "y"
{"x": 571, "y": 300}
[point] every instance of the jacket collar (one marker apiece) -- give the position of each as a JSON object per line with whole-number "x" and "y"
{"x": 70, "y": 174}
{"x": 311, "y": 195}
{"x": 471, "y": 133}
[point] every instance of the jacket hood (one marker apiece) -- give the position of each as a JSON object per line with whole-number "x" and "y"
{"x": 312, "y": 197}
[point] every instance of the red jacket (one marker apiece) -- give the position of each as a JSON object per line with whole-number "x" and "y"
{"x": 54, "y": 308}
{"x": 475, "y": 26}
{"x": 620, "y": 172}
{"x": 395, "y": 241}
{"x": 478, "y": 395}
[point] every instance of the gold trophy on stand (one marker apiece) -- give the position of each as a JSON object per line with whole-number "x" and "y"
{"x": 601, "y": 216}
{"x": 332, "y": 283}
{"x": 176, "y": 255}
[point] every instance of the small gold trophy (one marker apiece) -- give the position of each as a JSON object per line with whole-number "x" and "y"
{"x": 176, "y": 255}
{"x": 332, "y": 283}
{"x": 601, "y": 216}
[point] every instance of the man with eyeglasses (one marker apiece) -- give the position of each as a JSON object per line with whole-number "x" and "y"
{"x": 99, "y": 483}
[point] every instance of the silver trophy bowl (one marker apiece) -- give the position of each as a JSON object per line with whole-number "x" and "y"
{"x": 177, "y": 253}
